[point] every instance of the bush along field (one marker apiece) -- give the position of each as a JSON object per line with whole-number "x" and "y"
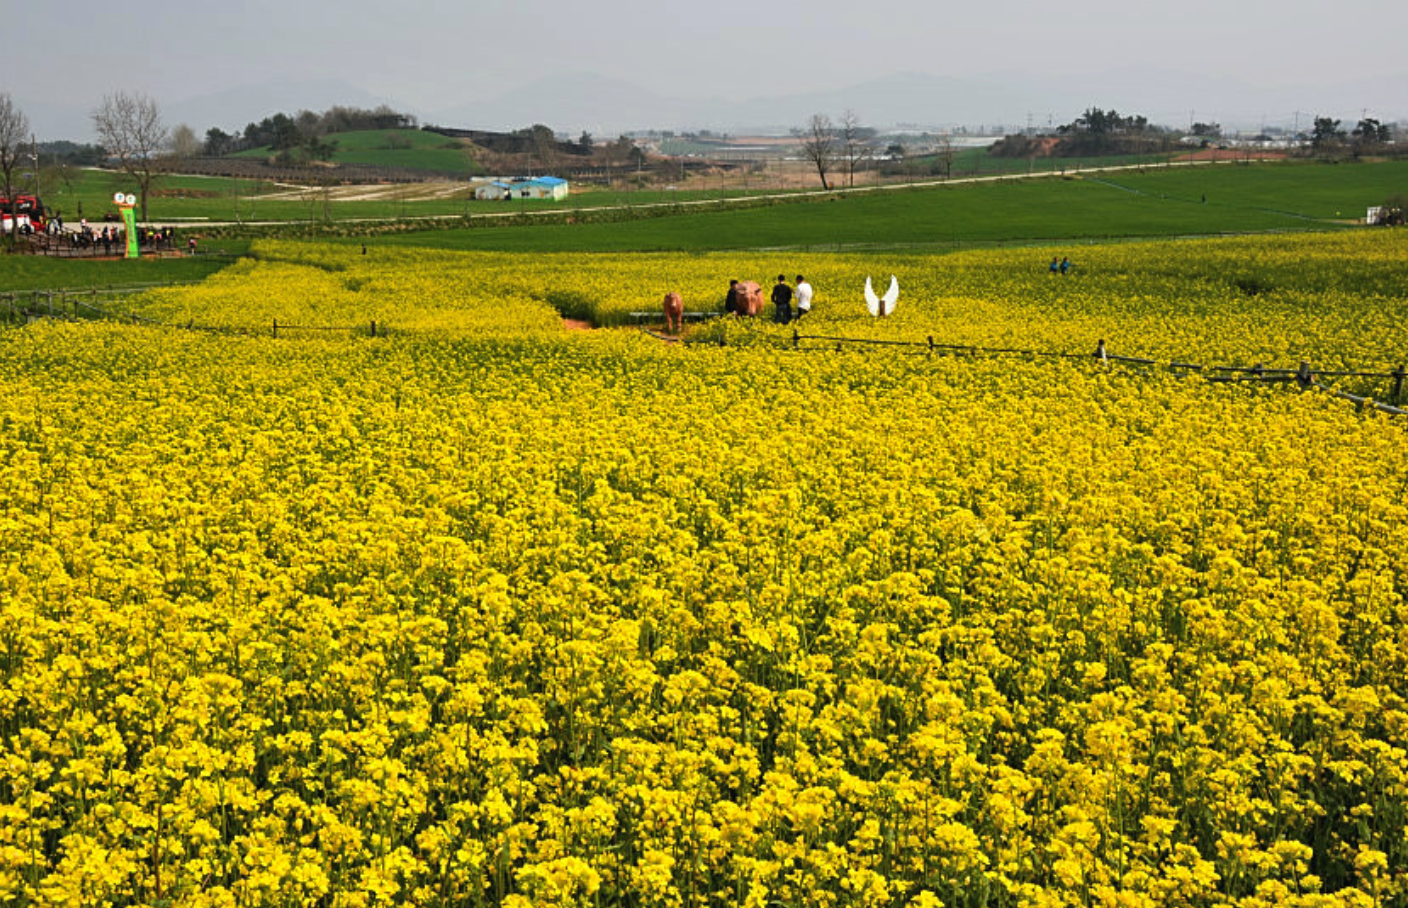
{"x": 474, "y": 610}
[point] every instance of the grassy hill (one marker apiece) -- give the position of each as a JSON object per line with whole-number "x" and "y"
{"x": 412, "y": 149}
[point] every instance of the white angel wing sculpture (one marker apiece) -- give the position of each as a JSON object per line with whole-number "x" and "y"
{"x": 884, "y": 305}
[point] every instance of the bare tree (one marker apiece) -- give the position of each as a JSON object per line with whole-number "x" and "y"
{"x": 130, "y": 129}
{"x": 855, "y": 149}
{"x": 184, "y": 143}
{"x": 618, "y": 156}
{"x": 819, "y": 145}
{"x": 14, "y": 128}
{"x": 944, "y": 159}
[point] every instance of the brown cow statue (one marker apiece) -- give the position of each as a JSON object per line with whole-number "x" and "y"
{"x": 748, "y": 298}
{"x": 674, "y": 312}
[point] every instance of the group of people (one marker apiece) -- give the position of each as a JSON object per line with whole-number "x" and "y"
{"x": 1059, "y": 267}
{"x": 784, "y": 297}
{"x": 110, "y": 236}
{"x": 85, "y": 237}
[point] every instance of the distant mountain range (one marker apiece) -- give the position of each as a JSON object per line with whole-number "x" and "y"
{"x": 571, "y": 103}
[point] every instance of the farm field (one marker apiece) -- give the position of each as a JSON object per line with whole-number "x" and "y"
{"x": 1157, "y": 201}
{"x": 1091, "y": 208}
{"x": 474, "y": 610}
{"x": 223, "y": 199}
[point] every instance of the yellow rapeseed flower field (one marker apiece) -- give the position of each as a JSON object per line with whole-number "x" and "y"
{"x": 480, "y": 611}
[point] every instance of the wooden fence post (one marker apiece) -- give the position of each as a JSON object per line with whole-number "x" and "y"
{"x": 276, "y": 327}
{"x": 1397, "y": 384}
{"x": 373, "y": 327}
{"x": 1303, "y": 374}
{"x": 1100, "y": 351}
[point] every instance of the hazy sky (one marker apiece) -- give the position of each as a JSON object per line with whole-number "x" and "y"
{"x": 431, "y": 56}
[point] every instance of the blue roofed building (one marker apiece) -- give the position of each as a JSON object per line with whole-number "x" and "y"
{"x": 523, "y": 188}
{"x": 494, "y": 191}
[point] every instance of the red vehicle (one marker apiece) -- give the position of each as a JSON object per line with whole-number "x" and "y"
{"x": 28, "y": 210}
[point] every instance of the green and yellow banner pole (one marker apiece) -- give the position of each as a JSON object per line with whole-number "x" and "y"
{"x": 128, "y": 204}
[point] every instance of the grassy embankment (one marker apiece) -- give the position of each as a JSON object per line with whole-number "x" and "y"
{"x": 32, "y": 272}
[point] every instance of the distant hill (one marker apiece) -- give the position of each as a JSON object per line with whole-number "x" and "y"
{"x": 409, "y": 149}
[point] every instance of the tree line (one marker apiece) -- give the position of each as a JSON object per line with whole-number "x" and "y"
{"x": 1369, "y": 136}
{"x": 1099, "y": 132}
{"x": 1094, "y": 133}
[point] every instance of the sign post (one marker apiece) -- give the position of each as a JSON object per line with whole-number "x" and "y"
{"x": 128, "y": 204}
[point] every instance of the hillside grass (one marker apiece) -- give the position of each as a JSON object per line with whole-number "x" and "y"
{"x": 413, "y": 149}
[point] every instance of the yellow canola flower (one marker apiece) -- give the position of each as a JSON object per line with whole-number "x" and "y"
{"x": 482, "y": 610}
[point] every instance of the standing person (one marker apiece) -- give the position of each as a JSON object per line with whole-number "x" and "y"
{"x": 782, "y": 301}
{"x": 731, "y": 299}
{"x": 1055, "y": 265}
{"x": 1065, "y": 265}
{"x": 804, "y": 297}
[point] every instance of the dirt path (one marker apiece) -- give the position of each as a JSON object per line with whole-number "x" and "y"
{"x": 430, "y": 191}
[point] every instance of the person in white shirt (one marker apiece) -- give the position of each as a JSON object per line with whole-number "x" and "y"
{"x": 804, "y": 296}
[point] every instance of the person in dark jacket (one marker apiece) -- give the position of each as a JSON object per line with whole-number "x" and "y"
{"x": 782, "y": 300}
{"x": 731, "y": 300}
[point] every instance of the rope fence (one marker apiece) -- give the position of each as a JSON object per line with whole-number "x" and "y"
{"x": 72, "y": 303}
{"x": 1303, "y": 375}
